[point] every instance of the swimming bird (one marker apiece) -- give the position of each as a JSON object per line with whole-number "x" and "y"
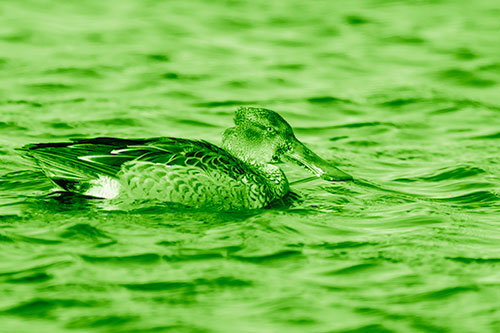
{"x": 241, "y": 175}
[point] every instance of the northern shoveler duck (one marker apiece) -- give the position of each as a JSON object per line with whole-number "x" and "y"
{"x": 196, "y": 173}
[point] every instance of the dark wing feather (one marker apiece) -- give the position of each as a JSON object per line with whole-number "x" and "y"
{"x": 85, "y": 159}
{"x": 80, "y": 159}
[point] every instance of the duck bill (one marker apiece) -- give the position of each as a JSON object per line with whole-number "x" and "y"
{"x": 305, "y": 157}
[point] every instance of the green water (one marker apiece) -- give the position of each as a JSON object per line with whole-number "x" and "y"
{"x": 403, "y": 95}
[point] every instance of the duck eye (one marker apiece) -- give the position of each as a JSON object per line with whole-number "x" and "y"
{"x": 271, "y": 130}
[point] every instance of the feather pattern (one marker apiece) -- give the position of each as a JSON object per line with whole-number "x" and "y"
{"x": 191, "y": 172}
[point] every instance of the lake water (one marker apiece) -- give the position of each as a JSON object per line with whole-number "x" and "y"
{"x": 403, "y": 95}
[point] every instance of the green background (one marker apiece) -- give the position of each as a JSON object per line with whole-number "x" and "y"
{"x": 403, "y": 95}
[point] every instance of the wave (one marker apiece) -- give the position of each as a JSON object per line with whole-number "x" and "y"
{"x": 43, "y": 307}
{"x": 477, "y": 198}
{"x": 447, "y": 173}
{"x": 192, "y": 285}
{"x": 145, "y": 258}
{"x": 469, "y": 260}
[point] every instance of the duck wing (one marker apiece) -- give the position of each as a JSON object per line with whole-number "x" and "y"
{"x": 83, "y": 160}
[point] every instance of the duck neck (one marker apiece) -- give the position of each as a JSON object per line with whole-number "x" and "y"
{"x": 275, "y": 178}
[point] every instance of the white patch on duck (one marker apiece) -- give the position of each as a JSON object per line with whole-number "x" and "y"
{"x": 104, "y": 187}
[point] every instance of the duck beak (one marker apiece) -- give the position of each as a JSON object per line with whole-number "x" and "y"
{"x": 305, "y": 157}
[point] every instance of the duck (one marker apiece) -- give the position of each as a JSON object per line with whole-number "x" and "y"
{"x": 242, "y": 174}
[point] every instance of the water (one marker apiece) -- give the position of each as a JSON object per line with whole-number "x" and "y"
{"x": 402, "y": 95}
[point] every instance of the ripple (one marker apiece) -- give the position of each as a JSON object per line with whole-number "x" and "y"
{"x": 43, "y": 307}
{"x": 365, "y": 124}
{"x": 448, "y": 173}
{"x": 181, "y": 76}
{"x": 101, "y": 321}
{"x": 193, "y": 255}
{"x": 31, "y": 278}
{"x": 49, "y": 87}
{"x": 12, "y": 125}
{"x": 121, "y": 121}
{"x": 354, "y": 269}
{"x": 74, "y": 72}
{"x": 159, "y": 286}
{"x": 375, "y": 127}
{"x": 401, "y": 101}
{"x": 466, "y": 78}
{"x": 455, "y": 173}
{"x": 463, "y": 53}
{"x": 440, "y": 294}
{"x": 215, "y": 104}
{"x": 269, "y": 257}
{"x": 36, "y": 240}
{"x": 33, "y": 271}
{"x": 343, "y": 245}
{"x": 4, "y": 238}
{"x": 491, "y": 67}
{"x": 290, "y": 67}
{"x": 147, "y": 258}
{"x": 362, "y": 143}
{"x": 375, "y": 328}
{"x": 220, "y": 282}
{"x": 356, "y": 20}
{"x": 406, "y": 39}
{"x": 24, "y": 102}
{"x": 467, "y": 260}
{"x": 60, "y": 125}
{"x": 192, "y": 122}
{"x": 474, "y": 198}
{"x": 20, "y": 36}
{"x": 327, "y": 100}
{"x": 495, "y": 135}
{"x": 84, "y": 231}
{"x": 158, "y": 57}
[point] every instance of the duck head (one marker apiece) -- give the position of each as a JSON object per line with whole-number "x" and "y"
{"x": 263, "y": 136}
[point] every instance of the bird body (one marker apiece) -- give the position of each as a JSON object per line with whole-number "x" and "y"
{"x": 194, "y": 173}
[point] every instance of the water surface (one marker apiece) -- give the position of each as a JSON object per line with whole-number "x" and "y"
{"x": 402, "y": 95}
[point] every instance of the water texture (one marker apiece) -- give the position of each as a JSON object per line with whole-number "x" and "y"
{"x": 403, "y": 95}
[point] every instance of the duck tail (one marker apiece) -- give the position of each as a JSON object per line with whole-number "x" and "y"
{"x": 69, "y": 167}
